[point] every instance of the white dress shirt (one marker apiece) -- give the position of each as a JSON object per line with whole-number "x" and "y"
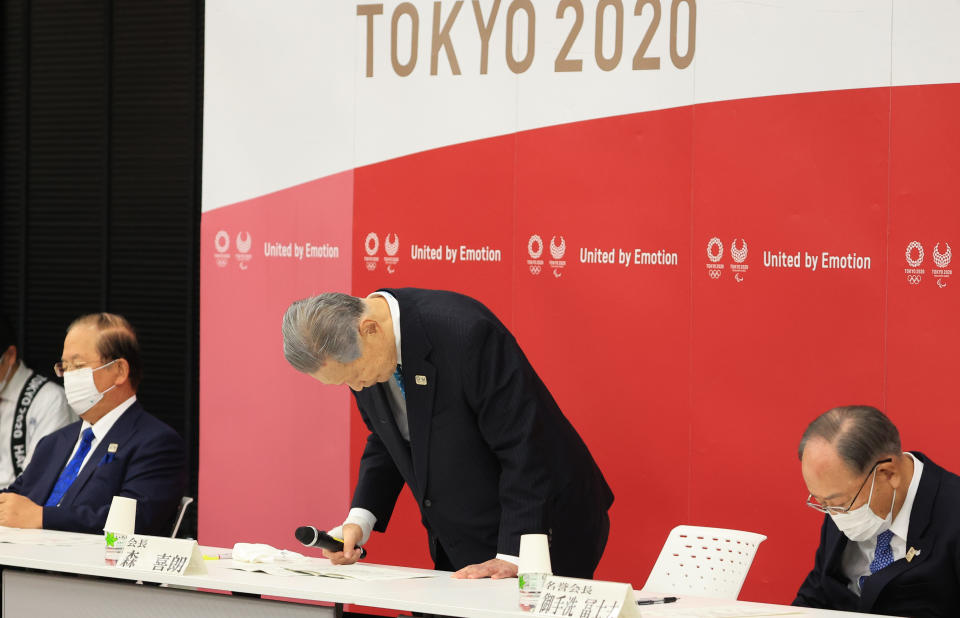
{"x": 858, "y": 556}
{"x": 48, "y": 412}
{"x": 100, "y": 429}
{"x": 394, "y": 317}
{"x": 362, "y": 517}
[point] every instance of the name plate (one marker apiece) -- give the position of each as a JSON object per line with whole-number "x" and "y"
{"x": 157, "y": 554}
{"x": 586, "y": 598}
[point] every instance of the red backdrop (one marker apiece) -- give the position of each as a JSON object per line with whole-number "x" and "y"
{"x": 691, "y": 391}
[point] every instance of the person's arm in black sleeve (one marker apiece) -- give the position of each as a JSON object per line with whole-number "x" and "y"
{"x": 28, "y": 477}
{"x": 506, "y": 395}
{"x": 811, "y": 591}
{"x": 379, "y": 481}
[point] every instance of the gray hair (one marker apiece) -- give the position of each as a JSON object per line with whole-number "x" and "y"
{"x": 862, "y": 435}
{"x": 322, "y": 327}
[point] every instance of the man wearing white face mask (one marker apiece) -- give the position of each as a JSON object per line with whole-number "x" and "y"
{"x": 31, "y": 406}
{"x": 890, "y": 540}
{"x": 116, "y": 449}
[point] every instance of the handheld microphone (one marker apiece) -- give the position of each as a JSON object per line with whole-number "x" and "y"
{"x": 312, "y": 537}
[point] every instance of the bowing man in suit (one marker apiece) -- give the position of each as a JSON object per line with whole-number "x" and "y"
{"x": 457, "y": 413}
{"x": 116, "y": 449}
{"x": 890, "y": 541}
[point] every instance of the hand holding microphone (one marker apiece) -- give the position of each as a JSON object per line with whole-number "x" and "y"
{"x": 338, "y": 548}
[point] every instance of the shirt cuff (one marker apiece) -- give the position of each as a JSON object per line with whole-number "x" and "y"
{"x": 512, "y": 559}
{"x": 363, "y": 518}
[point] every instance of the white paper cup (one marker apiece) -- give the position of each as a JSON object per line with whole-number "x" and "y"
{"x": 122, "y": 516}
{"x": 534, "y": 554}
{"x": 119, "y": 527}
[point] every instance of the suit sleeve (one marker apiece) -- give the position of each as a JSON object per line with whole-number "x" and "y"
{"x": 28, "y": 478}
{"x": 811, "y": 593}
{"x": 510, "y": 401}
{"x": 154, "y": 477}
{"x": 378, "y": 482}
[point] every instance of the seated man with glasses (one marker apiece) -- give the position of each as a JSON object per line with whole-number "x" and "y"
{"x": 116, "y": 449}
{"x": 890, "y": 541}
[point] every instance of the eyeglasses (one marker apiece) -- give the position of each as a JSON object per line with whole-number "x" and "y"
{"x": 61, "y": 367}
{"x": 838, "y": 510}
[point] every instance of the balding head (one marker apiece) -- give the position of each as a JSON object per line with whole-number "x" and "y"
{"x": 859, "y": 435}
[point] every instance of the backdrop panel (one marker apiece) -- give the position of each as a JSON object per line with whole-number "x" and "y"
{"x": 703, "y": 221}
{"x": 274, "y": 444}
{"x": 922, "y": 294}
{"x": 780, "y": 331}
{"x": 602, "y": 303}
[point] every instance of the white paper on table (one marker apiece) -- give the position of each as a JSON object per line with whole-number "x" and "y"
{"x": 357, "y": 572}
{"x": 259, "y": 567}
{"x": 316, "y": 567}
{"x": 260, "y": 552}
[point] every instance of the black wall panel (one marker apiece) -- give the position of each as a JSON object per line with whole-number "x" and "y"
{"x": 101, "y": 116}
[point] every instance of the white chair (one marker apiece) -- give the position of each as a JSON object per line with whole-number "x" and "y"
{"x": 704, "y": 562}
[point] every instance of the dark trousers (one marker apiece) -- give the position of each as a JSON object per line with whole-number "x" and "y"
{"x": 441, "y": 562}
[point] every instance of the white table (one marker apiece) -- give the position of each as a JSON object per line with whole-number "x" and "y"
{"x": 43, "y": 581}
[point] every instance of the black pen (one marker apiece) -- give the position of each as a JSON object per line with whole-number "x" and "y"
{"x": 657, "y": 600}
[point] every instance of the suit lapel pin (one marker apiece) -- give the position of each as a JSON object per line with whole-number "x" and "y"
{"x": 913, "y": 552}
{"x": 111, "y": 454}
{"x": 421, "y": 380}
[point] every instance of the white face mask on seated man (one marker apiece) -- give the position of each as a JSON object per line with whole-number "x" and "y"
{"x": 862, "y": 523}
{"x": 81, "y": 390}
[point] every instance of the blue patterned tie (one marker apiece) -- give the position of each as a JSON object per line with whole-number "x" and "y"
{"x": 398, "y": 376}
{"x": 69, "y": 474}
{"x": 883, "y": 556}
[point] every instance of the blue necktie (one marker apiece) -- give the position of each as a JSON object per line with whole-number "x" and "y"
{"x": 398, "y": 376}
{"x": 69, "y": 474}
{"x": 883, "y": 556}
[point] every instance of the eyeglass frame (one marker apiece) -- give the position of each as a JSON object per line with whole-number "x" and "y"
{"x": 839, "y": 510}
{"x": 59, "y": 370}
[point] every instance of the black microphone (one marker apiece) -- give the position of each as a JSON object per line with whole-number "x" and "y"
{"x": 312, "y": 537}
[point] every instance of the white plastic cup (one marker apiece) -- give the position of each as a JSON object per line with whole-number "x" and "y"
{"x": 534, "y": 568}
{"x": 121, "y": 520}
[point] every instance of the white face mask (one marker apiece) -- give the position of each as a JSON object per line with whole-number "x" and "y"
{"x": 81, "y": 391}
{"x": 862, "y": 523}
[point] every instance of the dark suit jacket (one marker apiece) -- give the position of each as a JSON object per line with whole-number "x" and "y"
{"x": 490, "y": 456}
{"x": 148, "y": 466}
{"x": 928, "y": 585}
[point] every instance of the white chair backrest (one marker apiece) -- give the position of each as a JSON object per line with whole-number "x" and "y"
{"x": 704, "y": 562}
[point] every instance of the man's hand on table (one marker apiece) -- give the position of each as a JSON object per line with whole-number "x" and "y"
{"x": 352, "y": 534}
{"x": 494, "y": 569}
{"x": 17, "y": 511}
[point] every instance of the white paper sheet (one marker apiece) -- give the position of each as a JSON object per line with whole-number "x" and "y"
{"x": 322, "y": 568}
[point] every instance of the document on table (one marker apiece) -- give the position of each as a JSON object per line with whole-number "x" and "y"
{"x": 322, "y": 568}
